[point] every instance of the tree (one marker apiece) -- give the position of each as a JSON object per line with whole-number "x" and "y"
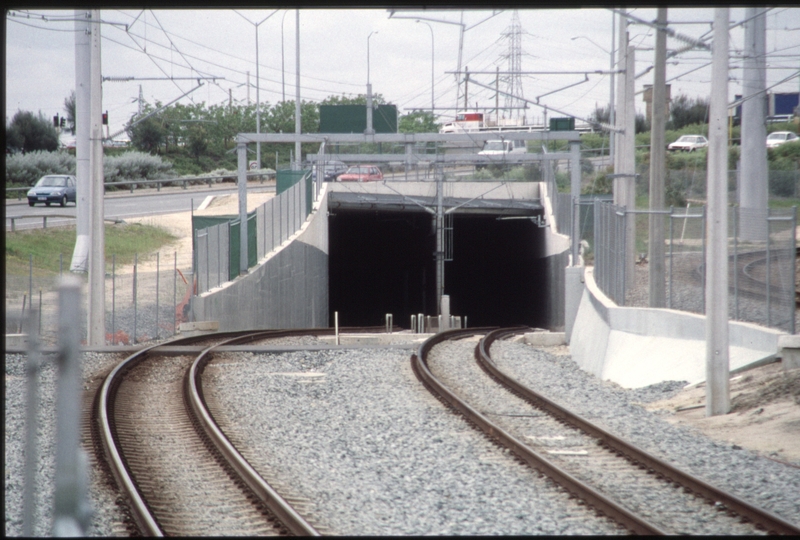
{"x": 69, "y": 108}
{"x": 601, "y": 115}
{"x": 418, "y": 122}
{"x": 148, "y": 135}
{"x": 28, "y": 133}
{"x": 685, "y": 111}
{"x": 360, "y": 99}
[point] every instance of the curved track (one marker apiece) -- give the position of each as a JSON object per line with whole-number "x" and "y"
{"x": 598, "y": 449}
{"x": 179, "y": 473}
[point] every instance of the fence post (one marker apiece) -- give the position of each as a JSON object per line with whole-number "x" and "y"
{"x": 736, "y": 210}
{"x": 769, "y": 277}
{"x": 71, "y": 512}
{"x": 705, "y": 262}
{"x": 158, "y": 272}
{"x": 113, "y": 298}
{"x": 135, "y": 306}
{"x": 175, "y": 294}
{"x": 671, "y": 254}
{"x": 32, "y": 367}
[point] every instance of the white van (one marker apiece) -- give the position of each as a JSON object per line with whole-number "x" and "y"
{"x": 501, "y": 147}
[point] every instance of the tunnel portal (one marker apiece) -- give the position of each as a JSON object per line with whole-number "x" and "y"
{"x": 382, "y": 261}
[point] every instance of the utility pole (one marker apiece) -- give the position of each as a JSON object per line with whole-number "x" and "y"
{"x": 241, "y": 151}
{"x": 297, "y": 124}
{"x": 466, "y": 86}
{"x": 141, "y": 100}
{"x": 439, "y": 217}
{"x": 622, "y": 50}
{"x": 717, "y": 348}
{"x": 753, "y": 186}
{"x": 657, "y": 277}
{"x": 97, "y": 265}
{"x": 611, "y": 117}
{"x": 83, "y": 82}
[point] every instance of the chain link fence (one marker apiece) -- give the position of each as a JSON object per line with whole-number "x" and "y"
{"x": 761, "y": 267}
{"x": 139, "y": 305}
{"x": 216, "y": 248}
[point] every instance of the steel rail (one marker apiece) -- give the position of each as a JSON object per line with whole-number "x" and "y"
{"x": 140, "y": 510}
{"x": 293, "y": 521}
{"x": 769, "y": 521}
{"x": 597, "y": 500}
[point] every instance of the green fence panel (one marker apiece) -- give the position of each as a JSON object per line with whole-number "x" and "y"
{"x": 287, "y": 178}
{"x": 235, "y": 250}
{"x": 353, "y": 118}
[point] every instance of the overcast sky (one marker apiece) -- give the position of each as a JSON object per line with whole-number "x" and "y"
{"x": 40, "y": 56}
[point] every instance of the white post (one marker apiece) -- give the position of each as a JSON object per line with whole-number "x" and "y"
{"x": 83, "y": 125}
{"x": 445, "y": 313}
{"x": 753, "y": 185}
{"x": 97, "y": 272}
{"x": 658, "y": 297}
{"x": 628, "y": 165}
{"x": 717, "y": 350}
{"x": 611, "y": 116}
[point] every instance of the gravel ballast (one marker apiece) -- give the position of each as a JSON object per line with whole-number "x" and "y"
{"x": 358, "y": 434}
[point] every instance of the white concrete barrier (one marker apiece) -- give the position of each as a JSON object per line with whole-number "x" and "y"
{"x": 636, "y": 347}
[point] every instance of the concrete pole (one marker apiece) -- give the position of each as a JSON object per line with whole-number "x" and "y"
{"x": 258, "y": 103}
{"x": 717, "y": 353}
{"x": 753, "y": 185}
{"x": 611, "y": 116}
{"x": 573, "y": 274}
{"x": 628, "y": 154}
{"x": 71, "y": 512}
{"x": 241, "y": 150}
{"x": 622, "y": 51}
{"x": 298, "y": 156}
{"x": 97, "y": 266}
{"x": 83, "y": 78}
{"x": 439, "y": 238}
{"x": 370, "y": 130}
{"x": 575, "y": 195}
{"x": 657, "y": 278}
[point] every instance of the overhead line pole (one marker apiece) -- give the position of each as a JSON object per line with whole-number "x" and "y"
{"x": 717, "y": 347}
{"x": 657, "y": 274}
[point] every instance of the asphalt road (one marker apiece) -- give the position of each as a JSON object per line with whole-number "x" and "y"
{"x": 122, "y": 205}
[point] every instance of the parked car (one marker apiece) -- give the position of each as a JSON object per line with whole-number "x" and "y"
{"x": 779, "y": 137}
{"x": 361, "y": 173}
{"x": 53, "y": 189}
{"x": 689, "y": 143}
{"x": 330, "y": 170}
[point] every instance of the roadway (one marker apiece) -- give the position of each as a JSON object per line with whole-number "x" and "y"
{"x": 122, "y": 205}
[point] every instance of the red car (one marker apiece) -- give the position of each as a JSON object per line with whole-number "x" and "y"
{"x": 361, "y": 173}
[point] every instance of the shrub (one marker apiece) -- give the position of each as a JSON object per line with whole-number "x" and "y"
{"x": 26, "y": 169}
{"x": 136, "y": 166}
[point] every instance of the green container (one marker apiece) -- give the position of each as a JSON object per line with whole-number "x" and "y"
{"x": 562, "y": 124}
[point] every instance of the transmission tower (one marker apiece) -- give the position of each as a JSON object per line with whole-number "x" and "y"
{"x": 513, "y": 81}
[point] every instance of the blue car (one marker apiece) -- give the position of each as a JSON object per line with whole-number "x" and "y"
{"x": 53, "y": 188}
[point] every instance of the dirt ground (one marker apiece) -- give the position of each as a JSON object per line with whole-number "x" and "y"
{"x": 764, "y": 417}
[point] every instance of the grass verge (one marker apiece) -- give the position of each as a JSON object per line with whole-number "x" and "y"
{"x": 124, "y": 240}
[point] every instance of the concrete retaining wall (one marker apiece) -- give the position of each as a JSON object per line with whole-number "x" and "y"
{"x": 636, "y": 347}
{"x": 287, "y": 289}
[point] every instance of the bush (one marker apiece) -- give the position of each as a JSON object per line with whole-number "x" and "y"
{"x": 135, "y": 166}
{"x": 26, "y": 169}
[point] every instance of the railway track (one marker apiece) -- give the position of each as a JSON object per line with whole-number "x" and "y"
{"x": 177, "y": 471}
{"x": 620, "y": 481}
{"x": 751, "y": 273}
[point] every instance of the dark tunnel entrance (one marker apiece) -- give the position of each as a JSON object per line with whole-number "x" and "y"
{"x": 383, "y": 262}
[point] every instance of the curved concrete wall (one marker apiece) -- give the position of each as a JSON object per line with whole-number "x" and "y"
{"x": 288, "y": 288}
{"x": 636, "y": 347}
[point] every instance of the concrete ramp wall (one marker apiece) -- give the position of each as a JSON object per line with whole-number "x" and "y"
{"x": 637, "y": 347}
{"x": 288, "y": 288}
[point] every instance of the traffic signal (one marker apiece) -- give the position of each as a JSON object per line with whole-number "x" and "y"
{"x": 63, "y": 121}
{"x": 105, "y": 118}
{"x": 55, "y": 121}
